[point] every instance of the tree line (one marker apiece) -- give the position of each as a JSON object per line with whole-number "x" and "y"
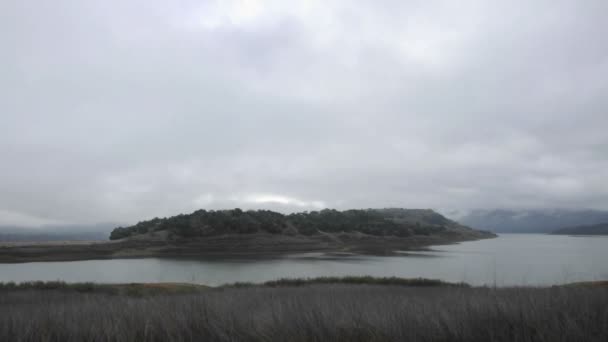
{"x": 397, "y": 222}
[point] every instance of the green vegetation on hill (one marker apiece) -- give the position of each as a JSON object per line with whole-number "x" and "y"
{"x": 379, "y": 222}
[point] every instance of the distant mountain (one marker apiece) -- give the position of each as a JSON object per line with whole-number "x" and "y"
{"x": 528, "y": 221}
{"x": 56, "y": 233}
{"x": 376, "y": 222}
{"x": 596, "y": 229}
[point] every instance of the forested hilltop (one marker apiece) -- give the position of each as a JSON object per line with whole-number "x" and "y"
{"x": 262, "y": 233}
{"x": 376, "y": 222}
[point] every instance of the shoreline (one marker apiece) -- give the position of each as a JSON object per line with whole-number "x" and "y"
{"x": 161, "y": 288}
{"x": 229, "y": 246}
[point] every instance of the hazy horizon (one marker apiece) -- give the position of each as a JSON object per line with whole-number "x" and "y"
{"x": 456, "y": 215}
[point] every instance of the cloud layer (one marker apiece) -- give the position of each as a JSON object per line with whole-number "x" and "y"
{"x": 120, "y": 111}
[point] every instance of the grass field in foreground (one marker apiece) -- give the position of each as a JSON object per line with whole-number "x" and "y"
{"x": 325, "y": 309}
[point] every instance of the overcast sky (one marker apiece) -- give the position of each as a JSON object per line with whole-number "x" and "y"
{"x": 124, "y": 110}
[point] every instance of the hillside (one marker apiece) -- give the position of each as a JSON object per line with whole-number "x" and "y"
{"x": 596, "y": 229}
{"x": 374, "y": 222}
{"x": 528, "y": 221}
{"x": 260, "y": 233}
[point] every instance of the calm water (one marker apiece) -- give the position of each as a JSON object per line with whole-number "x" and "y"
{"x": 511, "y": 259}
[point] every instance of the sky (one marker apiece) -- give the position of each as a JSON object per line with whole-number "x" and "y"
{"x": 119, "y": 111}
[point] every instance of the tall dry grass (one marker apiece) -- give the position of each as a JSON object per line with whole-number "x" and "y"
{"x": 318, "y": 312}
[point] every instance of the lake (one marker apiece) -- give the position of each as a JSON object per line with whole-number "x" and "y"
{"x": 510, "y": 259}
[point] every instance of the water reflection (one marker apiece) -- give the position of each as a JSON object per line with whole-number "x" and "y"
{"x": 506, "y": 260}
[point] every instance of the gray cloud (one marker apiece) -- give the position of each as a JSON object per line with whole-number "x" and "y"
{"x": 120, "y": 111}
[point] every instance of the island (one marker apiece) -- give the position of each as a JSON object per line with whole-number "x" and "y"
{"x": 261, "y": 233}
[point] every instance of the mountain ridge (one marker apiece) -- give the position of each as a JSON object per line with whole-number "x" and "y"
{"x": 528, "y": 220}
{"x": 595, "y": 229}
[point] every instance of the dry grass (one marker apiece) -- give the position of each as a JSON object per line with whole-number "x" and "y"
{"x": 317, "y": 312}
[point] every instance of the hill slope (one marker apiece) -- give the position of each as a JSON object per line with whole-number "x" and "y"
{"x": 596, "y": 229}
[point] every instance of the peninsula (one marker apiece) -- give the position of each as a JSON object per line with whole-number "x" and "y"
{"x": 260, "y": 233}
